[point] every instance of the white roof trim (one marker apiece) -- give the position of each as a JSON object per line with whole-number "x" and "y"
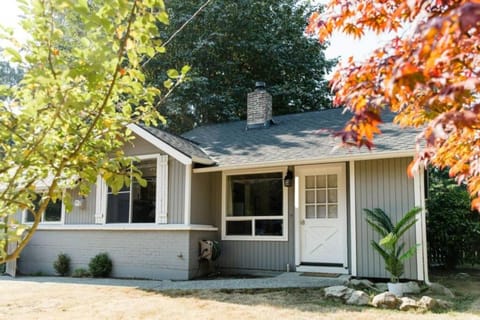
{"x": 147, "y": 136}
{"x": 365, "y": 156}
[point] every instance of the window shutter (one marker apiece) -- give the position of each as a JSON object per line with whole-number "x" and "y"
{"x": 162, "y": 190}
{"x": 100, "y": 201}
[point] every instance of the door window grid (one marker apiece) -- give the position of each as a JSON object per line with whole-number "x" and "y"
{"x": 321, "y": 196}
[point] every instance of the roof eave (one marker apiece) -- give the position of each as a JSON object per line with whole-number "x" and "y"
{"x": 354, "y": 157}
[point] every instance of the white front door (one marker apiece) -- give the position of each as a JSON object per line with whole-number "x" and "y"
{"x": 323, "y": 218}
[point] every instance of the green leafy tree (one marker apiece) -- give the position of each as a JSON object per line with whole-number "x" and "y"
{"x": 453, "y": 229}
{"x": 9, "y": 75}
{"x": 232, "y": 44}
{"x": 66, "y": 121}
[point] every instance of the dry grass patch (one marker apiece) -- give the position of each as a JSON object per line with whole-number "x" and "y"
{"x": 34, "y": 300}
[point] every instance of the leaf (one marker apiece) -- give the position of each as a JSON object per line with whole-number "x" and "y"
{"x": 172, "y": 73}
{"x": 16, "y": 57}
{"x": 163, "y": 17}
{"x": 185, "y": 69}
{"x": 168, "y": 83}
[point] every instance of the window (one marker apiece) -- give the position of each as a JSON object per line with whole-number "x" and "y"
{"x": 53, "y": 212}
{"x": 255, "y": 206}
{"x": 321, "y": 196}
{"x": 141, "y": 204}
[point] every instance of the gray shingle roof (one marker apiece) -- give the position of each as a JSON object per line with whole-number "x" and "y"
{"x": 181, "y": 144}
{"x": 301, "y": 136}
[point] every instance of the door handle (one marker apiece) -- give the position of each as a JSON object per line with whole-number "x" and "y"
{"x": 302, "y": 222}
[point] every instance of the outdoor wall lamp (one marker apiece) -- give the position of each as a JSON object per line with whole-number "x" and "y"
{"x": 288, "y": 180}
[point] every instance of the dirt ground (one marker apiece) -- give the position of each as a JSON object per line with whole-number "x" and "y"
{"x": 35, "y": 300}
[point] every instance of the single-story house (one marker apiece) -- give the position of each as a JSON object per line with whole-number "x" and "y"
{"x": 276, "y": 193}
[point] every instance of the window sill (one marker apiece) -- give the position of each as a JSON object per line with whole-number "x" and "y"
{"x": 252, "y": 238}
{"x": 130, "y": 227}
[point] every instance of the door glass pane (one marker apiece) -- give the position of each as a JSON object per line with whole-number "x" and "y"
{"x": 321, "y": 196}
{"x": 310, "y": 212}
{"x": 310, "y": 182}
{"x": 310, "y": 196}
{"x": 321, "y": 181}
{"x": 332, "y": 196}
{"x": 321, "y": 212}
{"x": 332, "y": 180}
{"x": 332, "y": 211}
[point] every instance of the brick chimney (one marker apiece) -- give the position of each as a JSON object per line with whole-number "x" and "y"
{"x": 259, "y": 107}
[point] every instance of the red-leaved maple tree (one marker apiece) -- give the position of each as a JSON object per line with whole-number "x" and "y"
{"x": 429, "y": 77}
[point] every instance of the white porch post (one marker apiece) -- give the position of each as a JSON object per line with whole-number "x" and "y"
{"x": 297, "y": 218}
{"x": 188, "y": 194}
{"x": 420, "y": 231}
{"x": 353, "y": 219}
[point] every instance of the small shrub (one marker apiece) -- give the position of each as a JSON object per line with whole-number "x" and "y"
{"x": 80, "y": 273}
{"x": 100, "y": 266}
{"x": 62, "y": 264}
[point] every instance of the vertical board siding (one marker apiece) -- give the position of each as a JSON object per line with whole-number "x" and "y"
{"x": 176, "y": 191}
{"x": 84, "y": 214}
{"x": 382, "y": 184}
{"x": 253, "y": 255}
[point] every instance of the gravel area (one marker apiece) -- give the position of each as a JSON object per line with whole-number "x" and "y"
{"x": 283, "y": 280}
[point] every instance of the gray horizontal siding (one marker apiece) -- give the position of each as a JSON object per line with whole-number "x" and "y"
{"x": 381, "y": 184}
{"x": 135, "y": 254}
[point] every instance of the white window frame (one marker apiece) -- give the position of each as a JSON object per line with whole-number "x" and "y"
{"x": 161, "y": 194}
{"x": 62, "y": 214}
{"x": 284, "y": 216}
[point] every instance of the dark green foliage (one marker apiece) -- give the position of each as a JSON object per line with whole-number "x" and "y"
{"x": 389, "y": 246}
{"x": 453, "y": 230}
{"x": 100, "y": 266}
{"x": 9, "y": 75}
{"x": 229, "y": 46}
{"x": 62, "y": 264}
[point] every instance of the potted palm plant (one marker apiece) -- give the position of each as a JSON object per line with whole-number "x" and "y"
{"x": 389, "y": 246}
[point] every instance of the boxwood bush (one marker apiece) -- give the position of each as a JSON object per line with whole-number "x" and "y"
{"x": 100, "y": 266}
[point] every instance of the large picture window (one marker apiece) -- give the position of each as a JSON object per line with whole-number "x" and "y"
{"x": 255, "y": 206}
{"x": 141, "y": 204}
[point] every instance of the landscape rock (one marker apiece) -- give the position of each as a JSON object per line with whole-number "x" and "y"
{"x": 386, "y": 300}
{"x": 411, "y": 287}
{"x": 381, "y": 286}
{"x": 427, "y": 303}
{"x": 358, "y": 298}
{"x": 340, "y": 292}
{"x": 361, "y": 284}
{"x": 439, "y": 289}
{"x": 408, "y": 304}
